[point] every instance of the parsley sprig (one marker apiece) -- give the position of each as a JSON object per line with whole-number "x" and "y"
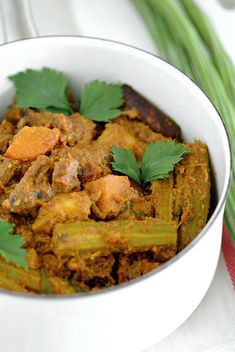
{"x": 125, "y": 163}
{"x": 47, "y": 90}
{"x": 11, "y": 245}
{"x": 101, "y": 101}
{"x": 158, "y": 161}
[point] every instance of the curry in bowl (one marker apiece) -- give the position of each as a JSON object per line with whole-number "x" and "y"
{"x": 94, "y": 192}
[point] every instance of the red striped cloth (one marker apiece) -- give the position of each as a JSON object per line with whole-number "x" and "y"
{"x": 229, "y": 254}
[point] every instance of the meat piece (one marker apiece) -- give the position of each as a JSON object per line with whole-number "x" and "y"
{"x": 10, "y": 169}
{"x": 30, "y": 142}
{"x": 42, "y": 243}
{"x": 138, "y": 207}
{"x": 65, "y": 175}
{"x": 81, "y": 130}
{"x": 109, "y": 194}
{"x": 132, "y": 266}
{"x": 4, "y": 141}
{"x": 7, "y": 127}
{"x": 6, "y": 134}
{"x": 118, "y": 136}
{"x": 94, "y": 160}
{"x": 74, "y": 129}
{"x": 34, "y": 187}
{"x": 14, "y": 115}
{"x": 34, "y": 118}
{"x": 90, "y": 268}
{"x": 53, "y": 266}
{"x": 24, "y": 229}
{"x": 62, "y": 208}
{"x": 149, "y": 113}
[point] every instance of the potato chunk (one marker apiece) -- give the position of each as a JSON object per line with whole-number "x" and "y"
{"x": 62, "y": 208}
{"x": 109, "y": 194}
{"x": 30, "y": 142}
{"x": 118, "y": 136}
{"x": 140, "y": 130}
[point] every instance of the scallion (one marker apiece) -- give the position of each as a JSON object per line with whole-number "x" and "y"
{"x": 186, "y": 30}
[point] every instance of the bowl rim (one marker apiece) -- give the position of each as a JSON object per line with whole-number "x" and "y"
{"x": 193, "y": 243}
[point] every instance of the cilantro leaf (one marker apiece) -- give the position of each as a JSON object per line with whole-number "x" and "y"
{"x": 11, "y": 245}
{"x": 125, "y": 162}
{"x": 46, "y": 89}
{"x": 101, "y": 101}
{"x": 160, "y": 158}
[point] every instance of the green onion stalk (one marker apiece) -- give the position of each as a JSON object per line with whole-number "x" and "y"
{"x": 185, "y": 38}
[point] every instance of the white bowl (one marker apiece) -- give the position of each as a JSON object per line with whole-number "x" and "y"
{"x": 133, "y": 316}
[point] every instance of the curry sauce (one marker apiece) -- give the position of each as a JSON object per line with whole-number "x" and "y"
{"x": 85, "y": 226}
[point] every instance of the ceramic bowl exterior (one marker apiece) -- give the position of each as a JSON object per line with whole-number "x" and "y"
{"x": 133, "y": 316}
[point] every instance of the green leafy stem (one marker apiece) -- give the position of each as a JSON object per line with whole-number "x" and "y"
{"x": 158, "y": 161}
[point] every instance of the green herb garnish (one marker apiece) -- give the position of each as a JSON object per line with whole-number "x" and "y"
{"x": 125, "y": 162}
{"x": 158, "y": 161}
{"x": 101, "y": 101}
{"x": 11, "y": 245}
{"x": 46, "y": 89}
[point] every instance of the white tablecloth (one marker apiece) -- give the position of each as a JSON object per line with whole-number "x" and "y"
{"x": 211, "y": 328}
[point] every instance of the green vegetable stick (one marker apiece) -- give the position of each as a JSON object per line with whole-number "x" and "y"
{"x": 26, "y": 279}
{"x": 221, "y": 60}
{"x": 10, "y": 284}
{"x": 188, "y": 36}
{"x": 61, "y": 286}
{"x": 17, "y": 279}
{"x": 206, "y": 75}
{"x": 150, "y": 19}
{"x": 162, "y": 198}
{"x": 163, "y": 38}
{"x": 192, "y": 192}
{"x": 80, "y": 238}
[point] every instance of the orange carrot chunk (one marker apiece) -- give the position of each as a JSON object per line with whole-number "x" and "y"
{"x": 30, "y": 142}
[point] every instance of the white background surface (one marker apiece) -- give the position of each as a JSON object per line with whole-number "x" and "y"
{"x": 211, "y": 328}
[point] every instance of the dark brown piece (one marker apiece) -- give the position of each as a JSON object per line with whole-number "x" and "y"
{"x": 11, "y": 169}
{"x": 97, "y": 269}
{"x": 154, "y": 117}
{"x": 94, "y": 160}
{"x": 134, "y": 265}
{"x": 6, "y": 134}
{"x": 33, "y": 189}
{"x": 64, "y": 177}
